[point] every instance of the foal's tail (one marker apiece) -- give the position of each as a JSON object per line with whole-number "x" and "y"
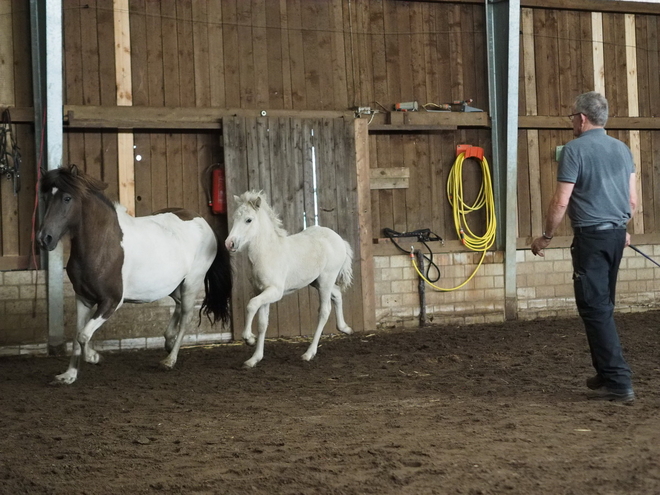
{"x": 345, "y": 277}
{"x": 217, "y": 285}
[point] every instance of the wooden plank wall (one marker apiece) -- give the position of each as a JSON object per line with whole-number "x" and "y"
{"x": 16, "y": 90}
{"x": 89, "y": 79}
{"x": 173, "y": 168}
{"x": 565, "y": 53}
{"x": 428, "y": 53}
{"x": 289, "y": 55}
{"x": 329, "y": 55}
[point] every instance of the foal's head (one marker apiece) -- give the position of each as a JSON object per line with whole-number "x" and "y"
{"x": 66, "y": 189}
{"x": 253, "y": 217}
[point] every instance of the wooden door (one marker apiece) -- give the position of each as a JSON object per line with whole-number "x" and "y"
{"x": 309, "y": 170}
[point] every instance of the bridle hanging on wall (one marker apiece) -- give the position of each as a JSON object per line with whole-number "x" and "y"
{"x": 10, "y": 153}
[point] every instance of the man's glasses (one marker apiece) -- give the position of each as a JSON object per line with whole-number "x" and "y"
{"x": 573, "y": 115}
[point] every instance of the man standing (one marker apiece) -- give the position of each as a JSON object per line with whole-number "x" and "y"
{"x": 596, "y": 184}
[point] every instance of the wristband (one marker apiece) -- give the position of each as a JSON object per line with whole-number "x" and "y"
{"x": 547, "y": 237}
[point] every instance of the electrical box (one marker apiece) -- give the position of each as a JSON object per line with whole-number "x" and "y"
{"x": 558, "y": 150}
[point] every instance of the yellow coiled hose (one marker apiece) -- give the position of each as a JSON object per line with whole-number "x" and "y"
{"x": 460, "y": 211}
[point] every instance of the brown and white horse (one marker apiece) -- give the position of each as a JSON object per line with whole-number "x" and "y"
{"x": 116, "y": 258}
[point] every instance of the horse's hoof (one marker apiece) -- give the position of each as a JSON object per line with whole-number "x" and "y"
{"x": 250, "y": 363}
{"x": 251, "y": 340}
{"x": 167, "y": 364}
{"x": 347, "y": 330}
{"x": 93, "y": 358}
{"x": 308, "y": 356}
{"x": 65, "y": 378}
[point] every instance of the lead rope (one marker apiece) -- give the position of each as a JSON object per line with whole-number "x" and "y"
{"x": 9, "y": 152}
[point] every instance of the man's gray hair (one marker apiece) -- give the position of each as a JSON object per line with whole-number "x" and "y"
{"x": 594, "y": 106}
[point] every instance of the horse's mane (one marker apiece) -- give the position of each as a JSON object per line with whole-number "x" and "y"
{"x": 73, "y": 181}
{"x": 258, "y": 200}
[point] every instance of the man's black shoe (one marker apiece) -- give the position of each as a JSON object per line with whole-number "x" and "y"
{"x": 603, "y": 393}
{"x": 595, "y": 382}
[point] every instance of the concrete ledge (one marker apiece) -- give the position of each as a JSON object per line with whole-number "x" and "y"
{"x": 118, "y": 345}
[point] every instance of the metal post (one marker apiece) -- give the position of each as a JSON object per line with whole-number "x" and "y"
{"x": 503, "y": 37}
{"x": 54, "y": 146}
{"x": 421, "y": 288}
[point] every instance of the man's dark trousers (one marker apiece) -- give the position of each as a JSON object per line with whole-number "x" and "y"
{"x": 596, "y": 258}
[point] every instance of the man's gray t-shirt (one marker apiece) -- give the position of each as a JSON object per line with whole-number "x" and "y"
{"x": 600, "y": 167}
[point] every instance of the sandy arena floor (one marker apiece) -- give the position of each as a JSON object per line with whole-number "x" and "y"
{"x": 441, "y": 410}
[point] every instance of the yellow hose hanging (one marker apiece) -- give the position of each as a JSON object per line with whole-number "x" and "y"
{"x": 460, "y": 210}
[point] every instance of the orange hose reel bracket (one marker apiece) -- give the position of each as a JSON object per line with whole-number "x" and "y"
{"x": 470, "y": 151}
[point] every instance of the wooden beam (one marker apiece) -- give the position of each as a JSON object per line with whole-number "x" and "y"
{"x": 631, "y": 65}
{"x": 9, "y": 206}
{"x": 561, "y": 122}
{"x": 386, "y": 247}
{"x": 20, "y": 115}
{"x": 588, "y": 5}
{"x": 6, "y": 53}
{"x": 15, "y": 263}
{"x": 133, "y": 117}
{"x": 410, "y": 128}
{"x": 389, "y": 178}
{"x": 529, "y": 58}
{"x": 450, "y": 1}
{"x": 594, "y": 6}
{"x": 537, "y": 215}
{"x": 120, "y": 117}
{"x": 598, "y": 52}
{"x": 364, "y": 223}
{"x": 89, "y": 116}
{"x": 633, "y": 111}
{"x": 125, "y": 162}
{"x": 428, "y": 120}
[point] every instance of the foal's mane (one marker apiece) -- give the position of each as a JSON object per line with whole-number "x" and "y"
{"x": 73, "y": 181}
{"x": 257, "y": 200}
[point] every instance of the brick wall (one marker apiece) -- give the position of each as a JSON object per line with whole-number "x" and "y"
{"x": 24, "y": 319}
{"x": 544, "y": 287}
{"x": 544, "y": 290}
{"x": 23, "y": 312}
{"x": 479, "y": 301}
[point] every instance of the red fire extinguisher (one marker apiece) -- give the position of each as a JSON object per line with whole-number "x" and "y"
{"x": 218, "y": 201}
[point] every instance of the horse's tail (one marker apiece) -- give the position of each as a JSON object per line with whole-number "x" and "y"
{"x": 345, "y": 277}
{"x": 218, "y": 285}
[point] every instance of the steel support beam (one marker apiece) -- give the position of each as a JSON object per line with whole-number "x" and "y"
{"x": 46, "y": 25}
{"x": 503, "y": 38}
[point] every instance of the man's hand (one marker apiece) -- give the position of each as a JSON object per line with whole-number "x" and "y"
{"x": 539, "y": 244}
{"x": 627, "y": 239}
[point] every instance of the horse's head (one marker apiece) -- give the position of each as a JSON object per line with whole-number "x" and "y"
{"x": 252, "y": 218}
{"x": 65, "y": 189}
{"x": 245, "y": 221}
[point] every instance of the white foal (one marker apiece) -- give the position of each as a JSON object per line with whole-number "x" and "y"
{"x": 283, "y": 263}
